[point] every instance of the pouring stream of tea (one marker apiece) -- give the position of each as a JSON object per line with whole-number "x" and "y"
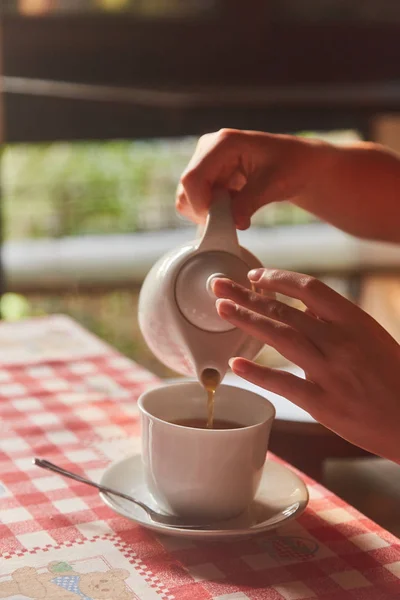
{"x": 210, "y": 379}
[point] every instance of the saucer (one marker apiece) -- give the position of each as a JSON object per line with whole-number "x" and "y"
{"x": 282, "y": 496}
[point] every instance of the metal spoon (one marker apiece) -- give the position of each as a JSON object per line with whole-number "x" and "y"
{"x": 163, "y": 519}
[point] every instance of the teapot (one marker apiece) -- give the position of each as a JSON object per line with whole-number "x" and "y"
{"x": 177, "y": 313}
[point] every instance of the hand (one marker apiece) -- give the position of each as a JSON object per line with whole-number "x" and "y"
{"x": 351, "y": 363}
{"x": 257, "y": 168}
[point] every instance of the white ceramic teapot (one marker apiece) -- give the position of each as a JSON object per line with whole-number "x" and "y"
{"x": 177, "y": 313}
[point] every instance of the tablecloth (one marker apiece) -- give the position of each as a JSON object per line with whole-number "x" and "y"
{"x": 68, "y": 397}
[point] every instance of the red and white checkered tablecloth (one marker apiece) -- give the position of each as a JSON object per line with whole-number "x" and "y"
{"x": 66, "y": 396}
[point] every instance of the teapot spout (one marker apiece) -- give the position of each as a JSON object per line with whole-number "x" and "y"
{"x": 210, "y": 378}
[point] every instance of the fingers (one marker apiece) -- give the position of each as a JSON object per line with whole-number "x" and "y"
{"x": 292, "y": 344}
{"x": 261, "y": 167}
{"x": 299, "y": 391}
{"x": 223, "y": 159}
{"x": 278, "y": 311}
{"x": 233, "y": 185}
{"x": 215, "y": 162}
{"x": 318, "y": 297}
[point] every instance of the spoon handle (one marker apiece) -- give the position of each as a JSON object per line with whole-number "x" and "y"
{"x": 170, "y": 520}
{"x": 46, "y": 464}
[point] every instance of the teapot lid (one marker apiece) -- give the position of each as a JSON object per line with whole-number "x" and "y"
{"x": 193, "y": 289}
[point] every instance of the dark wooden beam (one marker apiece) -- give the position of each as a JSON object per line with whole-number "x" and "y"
{"x": 35, "y": 119}
{"x": 228, "y": 46}
{"x": 232, "y": 45}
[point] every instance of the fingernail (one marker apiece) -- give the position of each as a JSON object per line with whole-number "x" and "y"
{"x": 223, "y": 283}
{"x": 237, "y": 368}
{"x": 226, "y": 308}
{"x": 230, "y": 362}
{"x": 255, "y": 274}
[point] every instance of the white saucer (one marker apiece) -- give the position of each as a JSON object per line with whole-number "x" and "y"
{"x": 282, "y": 496}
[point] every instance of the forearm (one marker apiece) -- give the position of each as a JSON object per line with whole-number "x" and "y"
{"x": 358, "y": 191}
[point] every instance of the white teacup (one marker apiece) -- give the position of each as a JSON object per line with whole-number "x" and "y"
{"x": 209, "y": 474}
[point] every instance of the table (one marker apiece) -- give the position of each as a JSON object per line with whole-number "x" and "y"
{"x": 67, "y": 396}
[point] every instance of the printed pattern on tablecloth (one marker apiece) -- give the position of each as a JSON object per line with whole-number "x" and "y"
{"x": 102, "y": 568}
{"x": 82, "y": 414}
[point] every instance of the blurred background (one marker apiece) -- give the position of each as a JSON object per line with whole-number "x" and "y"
{"x": 101, "y": 104}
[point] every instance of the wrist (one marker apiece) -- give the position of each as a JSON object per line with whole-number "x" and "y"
{"x": 324, "y": 158}
{"x": 319, "y": 164}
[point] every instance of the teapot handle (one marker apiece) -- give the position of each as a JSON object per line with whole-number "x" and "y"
{"x": 220, "y": 232}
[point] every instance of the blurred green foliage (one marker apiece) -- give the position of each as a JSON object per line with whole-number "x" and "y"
{"x": 56, "y": 190}
{"x": 73, "y": 189}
